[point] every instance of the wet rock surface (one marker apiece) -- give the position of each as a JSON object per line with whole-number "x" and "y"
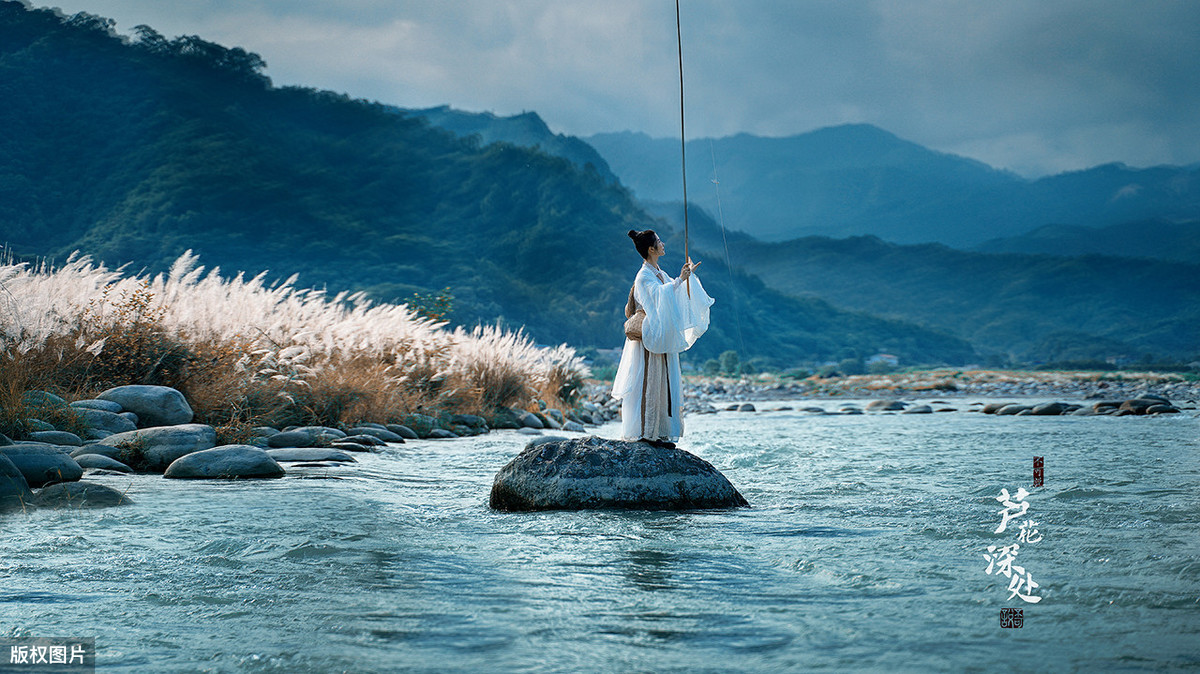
{"x": 225, "y": 462}
{"x": 595, "y": 473}
{"x": 154, "y": 449}
{"x": 101, "y": 462}
{"x": 310, "y": 454}
{"x": 153, "y": 405}
{"x": 14, "y": 490}
{"x": 79, "y": 495}
{"x": 43, "y": 464}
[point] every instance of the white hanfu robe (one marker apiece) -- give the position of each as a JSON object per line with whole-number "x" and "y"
{"x": 648, "y": 382}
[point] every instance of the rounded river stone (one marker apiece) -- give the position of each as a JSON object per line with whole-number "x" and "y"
{"x": 592, "y": 472}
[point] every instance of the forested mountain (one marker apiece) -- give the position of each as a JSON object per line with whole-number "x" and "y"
{"x": 1023, "y": 307}
{"x": 135, "y": 150}
{"x": 1028, "y": 308}
{"x": 526, "y": 129}
{"x": 861, "y": 180}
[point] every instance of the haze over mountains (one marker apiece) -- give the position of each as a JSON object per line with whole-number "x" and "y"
{"x": 1031, "y": 300}
{"x": 858, "y": 179}
{"x": 136, "y": 150}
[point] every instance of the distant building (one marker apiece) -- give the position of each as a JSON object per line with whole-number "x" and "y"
{"x": 883, "y": 358}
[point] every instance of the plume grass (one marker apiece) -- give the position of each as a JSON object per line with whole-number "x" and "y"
{"x": 247, "y": 352}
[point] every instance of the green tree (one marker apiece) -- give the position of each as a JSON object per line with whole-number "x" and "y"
{"x": 730, "y": 363}
{"x": 850, "y": 366}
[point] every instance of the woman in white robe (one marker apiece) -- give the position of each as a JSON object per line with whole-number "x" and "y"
{"x": 648, "y": 383}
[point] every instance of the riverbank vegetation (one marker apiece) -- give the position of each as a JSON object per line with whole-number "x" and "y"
{"x": 248, "y": 353}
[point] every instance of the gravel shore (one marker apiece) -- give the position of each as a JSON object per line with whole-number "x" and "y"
{"x": 949, "y": 383}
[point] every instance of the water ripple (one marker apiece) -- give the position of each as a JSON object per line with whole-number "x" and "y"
{"x": 864, "y": 550}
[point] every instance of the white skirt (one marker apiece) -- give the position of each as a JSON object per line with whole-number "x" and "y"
{"x": 650, "y": 389}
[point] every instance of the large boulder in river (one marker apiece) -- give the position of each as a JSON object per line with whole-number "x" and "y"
{"x": 592, "y": 472}
{"x": 42, "y": 464}
{"x": 225, "y": 462}
{"x": 153, "y": 405}
{"x": 153, "y": 449}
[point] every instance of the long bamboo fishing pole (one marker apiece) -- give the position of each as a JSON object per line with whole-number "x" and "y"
{"x": 683, "y": 146}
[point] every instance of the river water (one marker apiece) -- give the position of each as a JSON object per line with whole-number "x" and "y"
{"x": 864, "y": 549}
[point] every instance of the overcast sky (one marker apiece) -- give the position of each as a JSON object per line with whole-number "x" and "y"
{"x": 1034, "y": 86}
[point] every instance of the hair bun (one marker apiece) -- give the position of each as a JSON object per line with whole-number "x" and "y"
{"x": 633, "y": 234}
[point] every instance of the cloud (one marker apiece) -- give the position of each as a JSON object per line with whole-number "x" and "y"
{"x": 1028, "y": 85}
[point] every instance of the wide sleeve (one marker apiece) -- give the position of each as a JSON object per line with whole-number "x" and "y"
{"x": 674, "y": 321}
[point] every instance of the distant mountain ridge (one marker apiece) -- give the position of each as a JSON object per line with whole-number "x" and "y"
{"x": 527, "y": 129}
{"x": 858, "y": 179}
{"x": 852, "y": 169}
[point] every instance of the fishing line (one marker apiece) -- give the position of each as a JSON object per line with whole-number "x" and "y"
{"x": 716, "y": 185}
{"x": 728, "y": 262}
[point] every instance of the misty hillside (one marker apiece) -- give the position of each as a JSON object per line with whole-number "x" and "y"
{"x": 1155, "y": 239}
{"x": 135, "y": 150}
{"x": 1031, "y": 308}
{"x": 526, "y": 129}
{"x": 861, "y": 180}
